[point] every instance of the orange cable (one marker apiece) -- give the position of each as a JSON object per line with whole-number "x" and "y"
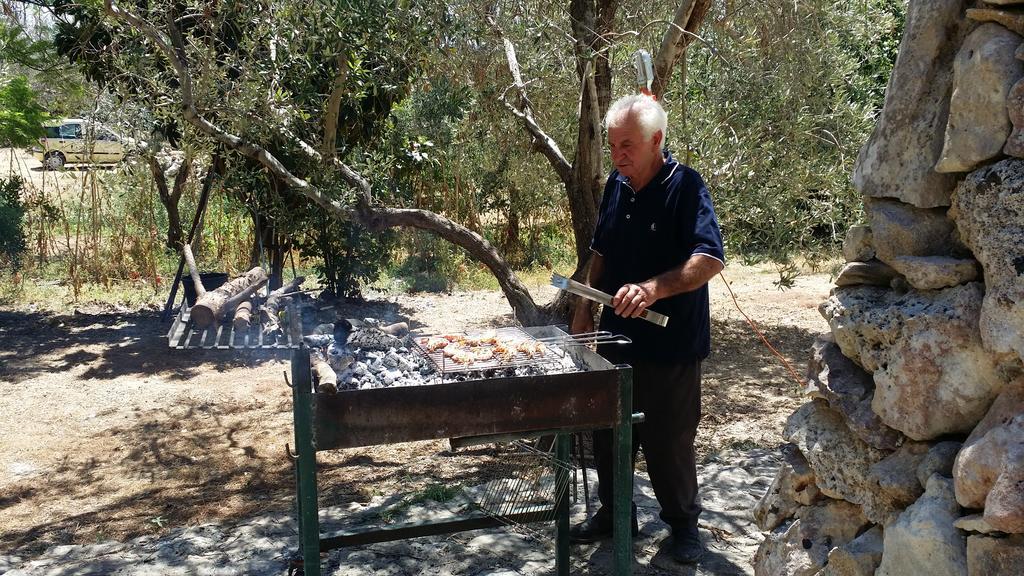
{"x": 796, "y": 378}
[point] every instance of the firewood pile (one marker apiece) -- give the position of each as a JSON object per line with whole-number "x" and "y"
{"x": 234, "y": 315}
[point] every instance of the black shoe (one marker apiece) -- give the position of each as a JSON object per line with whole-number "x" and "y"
{"x": 686, "y": 546}
{"x": 597, "y": 527}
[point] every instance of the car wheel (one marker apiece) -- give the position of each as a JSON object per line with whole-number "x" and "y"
{"x": 54, "y": 161}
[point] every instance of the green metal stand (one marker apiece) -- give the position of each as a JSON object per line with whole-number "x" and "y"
{"x": 562, "y": 506}
{"x": 622, "y": 470}
{"x": 305, "y": 465}
{"x": 312, "y": 542}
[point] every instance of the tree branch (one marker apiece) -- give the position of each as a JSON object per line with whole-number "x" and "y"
{"x": 329, "y": 143}
{"x": 181, "y": 178}
{"x": 685, "y": 22}
{"x": 369, "y": 215}
{"x": 545, "y": 144}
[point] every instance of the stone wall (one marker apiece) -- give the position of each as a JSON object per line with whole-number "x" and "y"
{"x": 908, "y": 457}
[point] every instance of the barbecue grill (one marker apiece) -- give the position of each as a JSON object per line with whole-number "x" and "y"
{"x": 469, "y": 404}
{"x": 596, "y": 395}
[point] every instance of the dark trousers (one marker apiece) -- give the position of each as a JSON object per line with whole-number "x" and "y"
{"x": 669, "y": 395}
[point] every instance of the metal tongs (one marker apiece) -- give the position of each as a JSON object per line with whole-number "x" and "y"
{"x": 586, "y": 339}
{"x": 574, "y": 287}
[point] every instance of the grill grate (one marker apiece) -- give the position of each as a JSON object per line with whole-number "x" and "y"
{"x": 550, "y": 354}
{"x": 527, "y": 479}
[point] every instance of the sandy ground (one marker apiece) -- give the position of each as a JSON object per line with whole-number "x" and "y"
{"x": 20, "y": 162}
{"x": 108, "y": 434}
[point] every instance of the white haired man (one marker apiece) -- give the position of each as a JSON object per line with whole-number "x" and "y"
{"x": 657, "y": 244}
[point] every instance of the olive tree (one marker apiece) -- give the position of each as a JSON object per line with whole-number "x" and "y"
{"x": 261, "y": 96}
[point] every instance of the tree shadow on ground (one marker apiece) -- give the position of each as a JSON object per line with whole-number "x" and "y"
{"x": 197, "y": 461}
{"x": 744, "y": 381}
{"x": 135, "y": 343}
{"x": 111, "y": 344}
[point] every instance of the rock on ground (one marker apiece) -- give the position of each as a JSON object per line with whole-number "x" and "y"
{"x": 859, "y": 557}
{"x": 792, "y": 488}
{"x": 923, "y": 539}
{"x": 801, "y": 547}
{"x": 898, "y": 158}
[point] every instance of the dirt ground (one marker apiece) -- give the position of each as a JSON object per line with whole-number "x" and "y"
{"x": 108, "y": 434}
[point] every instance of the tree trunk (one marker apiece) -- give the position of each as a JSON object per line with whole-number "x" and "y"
{"x": 329, "y": 142}
{"x": 268, "y": 246}
{"x": 171, "y": 198}
{"x": 591, "y": 22}
{"x": 687, "y": 21}
{"x": 480, "y": 249}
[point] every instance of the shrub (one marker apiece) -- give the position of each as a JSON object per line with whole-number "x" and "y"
{"x": 12, "y": 232}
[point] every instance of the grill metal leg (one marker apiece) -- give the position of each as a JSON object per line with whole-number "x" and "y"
{"x": 562, "y": 504}
{"x": 622, "y": 491}
{"x": 581, "y": 445}
{"x": 305, "y": 466}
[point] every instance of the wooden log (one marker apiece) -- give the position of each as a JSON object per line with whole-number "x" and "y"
{"x": 323, "y": 374}
{"x": 270, "y": 309}
{"x": 211, "y": 307}
{"x": 192, "y": 270}
{"x": 243, "y": 315}
{"x": 397, "y": 329}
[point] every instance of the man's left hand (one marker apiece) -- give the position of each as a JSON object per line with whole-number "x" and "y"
{"x": 632, "y": 299}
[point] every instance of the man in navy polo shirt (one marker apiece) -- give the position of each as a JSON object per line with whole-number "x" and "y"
{"x": 657, "y": 244}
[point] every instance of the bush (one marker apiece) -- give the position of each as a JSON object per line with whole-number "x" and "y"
{"x": 346, "y": 254}
{"x": 12, "y": 232}
{"x": 21, "y": 115}
{"x": 433, "y": 265}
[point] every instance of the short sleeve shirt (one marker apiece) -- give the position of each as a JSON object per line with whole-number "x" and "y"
{"x": 641, "y": 234}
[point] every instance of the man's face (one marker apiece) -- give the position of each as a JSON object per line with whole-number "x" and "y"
{"x": 631, "y": 153}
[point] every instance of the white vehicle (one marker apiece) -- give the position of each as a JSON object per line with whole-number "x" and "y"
{"x": 79, "y": 141}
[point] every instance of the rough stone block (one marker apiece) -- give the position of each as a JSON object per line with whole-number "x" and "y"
{"x": 932, "y": 374}
{"x": 984, "y": 70}
{"x": 923, "y": 539}
{"x": 995, "y": 556}
{"x": 988, "y": 209}
{"x": 898, "y": 158}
